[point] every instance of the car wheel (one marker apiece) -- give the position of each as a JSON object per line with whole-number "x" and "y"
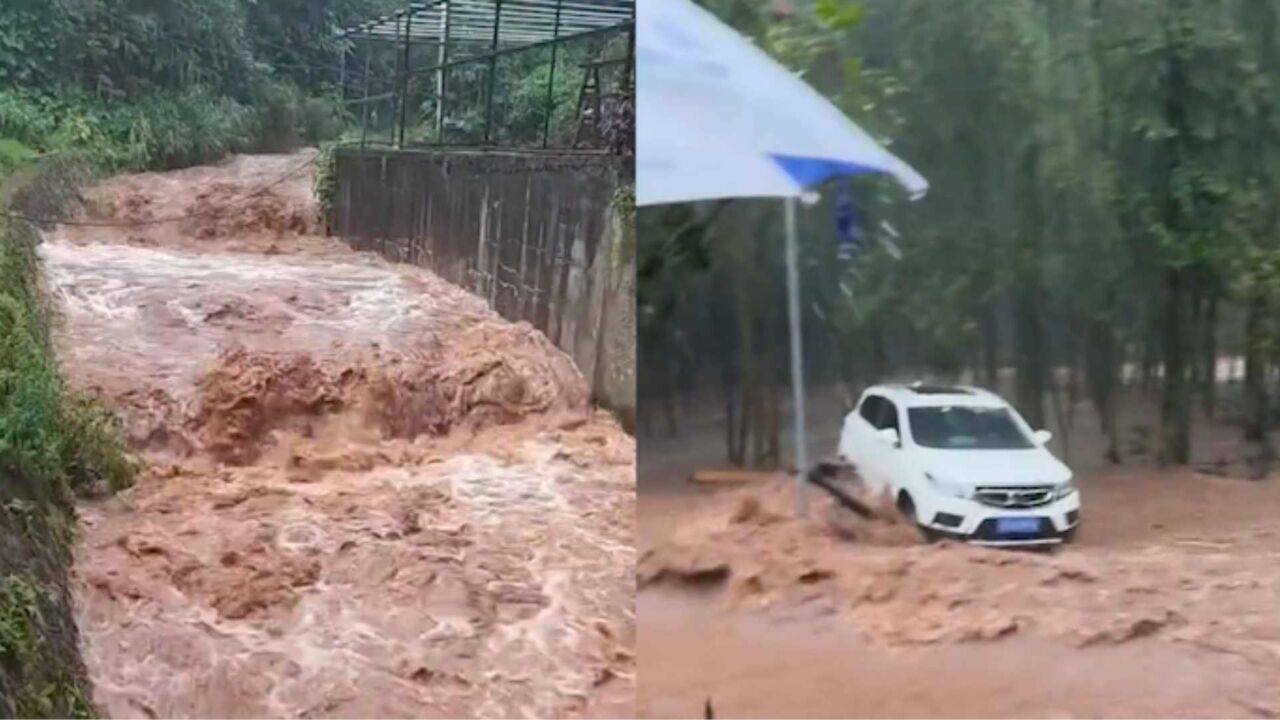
{"x": 908, "y": 509}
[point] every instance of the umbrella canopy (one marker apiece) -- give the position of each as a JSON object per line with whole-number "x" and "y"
{"x": 718, "y": 118}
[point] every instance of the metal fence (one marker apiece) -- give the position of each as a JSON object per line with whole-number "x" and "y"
{"x": 489, "y": 73}
{"x": 522, "y": 231}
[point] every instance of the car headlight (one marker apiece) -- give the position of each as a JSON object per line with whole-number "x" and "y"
{"x": 1066, "y": 489}
{"x": 947, "y": 487}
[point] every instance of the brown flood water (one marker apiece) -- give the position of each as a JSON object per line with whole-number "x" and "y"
{"x": 364, "y": 493}
{"x": 1166, "y": 607}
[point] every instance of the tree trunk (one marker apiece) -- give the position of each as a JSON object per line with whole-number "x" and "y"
{"x": 990, "y": 348}
{"x": 1113, "y": 429}
{"x": 1255, "y": 371}
{"x": 1209, "y": 336}
{"x": 1101, "y": 367}
{"x": 1175, "y": 400}
{"x": 1064, "y": 428}
{"x": 1031, "y": 365}
{"x": 774, "y": 445}
{"x": 1073, "y": 374}
{"x": 760, "y": 423}
{"x": 731, "y": 376}
{"x": 1147, "y": 381}
{"x": 879, "y": 358}
{"x": 730, "y": 418}
{"x": 746, "y": 358}
{"x": 1194, "y": 332}
{"x": 1028, "y": 316}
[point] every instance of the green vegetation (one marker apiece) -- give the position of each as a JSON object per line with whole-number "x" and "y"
{"x": 133, "y": 85}
{"x": 46, "y": 437}
{"x": 23, "y": 608}
{"x": 326, "y": 180}
{"x": 1101, "y": 175}
{"x": 52, "y": 444}
{"x": 19, "y": 611}
{"x": 520, "y": 101}
{"x": 624, "y": 209}
{"x": 90, "y": 87}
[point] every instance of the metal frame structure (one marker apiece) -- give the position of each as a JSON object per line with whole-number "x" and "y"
{"x": 471, "y": 31}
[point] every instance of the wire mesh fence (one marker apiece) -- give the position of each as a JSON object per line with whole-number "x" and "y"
{"x": 524, "y": 74}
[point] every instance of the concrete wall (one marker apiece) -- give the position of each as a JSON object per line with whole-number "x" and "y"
{"x": 548, "y": 239}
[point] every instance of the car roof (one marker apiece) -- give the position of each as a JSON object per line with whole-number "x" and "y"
{"x": 937, "y": 395}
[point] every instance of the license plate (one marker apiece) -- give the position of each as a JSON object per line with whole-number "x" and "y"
{"x": 1017, "y": 525}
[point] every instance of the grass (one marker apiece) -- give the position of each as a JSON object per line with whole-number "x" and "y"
{"x": 47, "y": 436}
{"x": 20, "y": 617}
{"x": 45, "y": 687}
{"x": 326, "y": 181}
{"x": 52, "y": 444}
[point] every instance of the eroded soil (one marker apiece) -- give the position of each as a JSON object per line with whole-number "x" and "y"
{"x": 365, "y": 494}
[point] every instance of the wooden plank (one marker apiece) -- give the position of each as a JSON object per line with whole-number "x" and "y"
{"x": 730, "y": 476}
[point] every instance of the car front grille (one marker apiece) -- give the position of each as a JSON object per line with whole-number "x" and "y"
{"x": 1015, "y": 497}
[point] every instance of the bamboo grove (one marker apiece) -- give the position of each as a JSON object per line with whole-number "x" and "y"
{"x": 1101, "y": 218}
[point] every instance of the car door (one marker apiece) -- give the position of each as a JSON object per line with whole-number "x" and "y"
{"x": 892, "y": 459}
{"x": 848, "y": 445}
{"x": 864, "y": 448}
{"x": 853, "y": 433}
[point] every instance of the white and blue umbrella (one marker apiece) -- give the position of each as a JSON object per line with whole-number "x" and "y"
{"x": 718, "y": 118}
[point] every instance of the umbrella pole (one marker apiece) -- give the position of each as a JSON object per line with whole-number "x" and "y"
{"x": 797, "y": 355}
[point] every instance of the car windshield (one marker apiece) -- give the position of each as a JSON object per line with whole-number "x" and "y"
{"x": 958, "y": 427}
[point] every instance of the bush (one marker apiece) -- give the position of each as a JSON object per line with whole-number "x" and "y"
{"x": 323, "y": 120}
{"x": 279, "y": 115}
{"x": 168, "y": 131}
{"x": 13, "y": 155}
{"x": 48, "y": 189}
{"x": 165, "y": 130}
{"x": 28, "y": 119}
{"x": 92, "y": 447}
{"x": 287, "y": 118}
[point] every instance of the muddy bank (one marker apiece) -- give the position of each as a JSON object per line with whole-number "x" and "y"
{"x": 366, "y": 494}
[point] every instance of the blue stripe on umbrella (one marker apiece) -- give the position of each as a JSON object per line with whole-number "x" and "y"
{"x": 809, "y": 172}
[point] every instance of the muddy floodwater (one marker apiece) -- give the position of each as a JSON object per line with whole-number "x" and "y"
{"x": 1165, "y": 607}
{"x": 363, "y": 493}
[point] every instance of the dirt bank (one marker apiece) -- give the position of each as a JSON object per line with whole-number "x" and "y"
{"x": 366, "y": 494}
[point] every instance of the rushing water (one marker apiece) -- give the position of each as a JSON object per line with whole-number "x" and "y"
{"x": 342, "y": 570}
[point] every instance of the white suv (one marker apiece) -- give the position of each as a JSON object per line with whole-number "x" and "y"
{"x": 961, "y": 462}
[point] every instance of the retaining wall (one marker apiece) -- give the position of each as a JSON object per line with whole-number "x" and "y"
{"x": 545, "y": 238}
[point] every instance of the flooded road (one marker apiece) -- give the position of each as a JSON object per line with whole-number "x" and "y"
{"x": 364, "y": 493}
{"x": 1165, "y": 607}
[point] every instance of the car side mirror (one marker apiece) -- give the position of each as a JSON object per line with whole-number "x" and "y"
{"x": 888, "y": 436}
{"x": 1042, "y": 437}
